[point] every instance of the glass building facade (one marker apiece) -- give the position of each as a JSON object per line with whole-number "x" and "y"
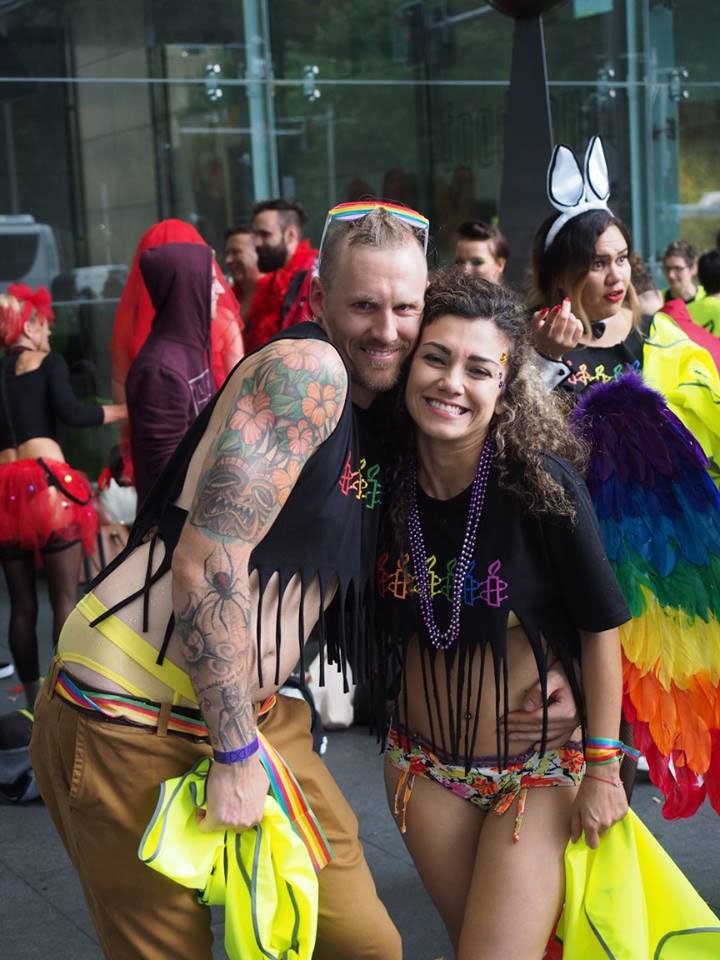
{"x": 114, "y": 116}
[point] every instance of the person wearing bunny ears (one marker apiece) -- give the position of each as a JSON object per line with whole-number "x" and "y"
{"x": 589, "y": 328}
{"x": 648, "y": 404}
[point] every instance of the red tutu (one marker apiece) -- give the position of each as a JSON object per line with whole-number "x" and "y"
{"x": 43, "y": 500}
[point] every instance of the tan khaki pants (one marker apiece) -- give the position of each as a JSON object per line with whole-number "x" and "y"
{"x": 100, "y": 784}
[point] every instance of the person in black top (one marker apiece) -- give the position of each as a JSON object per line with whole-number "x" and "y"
{"x": 46, "y": 507}
{"x": 267, "y": 512}
{"x": 492, "y": 568}
{"x": 595, "y": 332}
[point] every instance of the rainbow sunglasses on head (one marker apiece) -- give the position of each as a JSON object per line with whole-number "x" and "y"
{"x": 356, "y": 210}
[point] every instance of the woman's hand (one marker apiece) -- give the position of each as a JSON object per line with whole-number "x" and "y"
{"x": 112, "y": 412}
{"x": 599, "y": 804}
{"x": 556, "y": 331}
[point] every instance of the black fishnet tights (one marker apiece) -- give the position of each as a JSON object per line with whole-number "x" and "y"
{"x": 61, "y": 569}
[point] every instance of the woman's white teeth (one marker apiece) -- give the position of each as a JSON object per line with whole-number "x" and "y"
{"x": 448, "y": 407}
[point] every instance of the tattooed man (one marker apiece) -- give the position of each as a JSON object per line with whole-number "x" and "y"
{"x": 266, "y": 514}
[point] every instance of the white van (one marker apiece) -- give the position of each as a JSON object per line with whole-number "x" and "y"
{"x": 28, "y": 252}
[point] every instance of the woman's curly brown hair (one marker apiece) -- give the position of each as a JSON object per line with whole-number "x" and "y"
{"x": 530, "y": 420}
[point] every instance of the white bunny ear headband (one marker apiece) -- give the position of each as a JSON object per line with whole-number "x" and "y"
{"x": 573, "y": 191}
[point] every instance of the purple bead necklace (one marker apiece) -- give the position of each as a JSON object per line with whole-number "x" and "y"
{"x": 444, "y": 639}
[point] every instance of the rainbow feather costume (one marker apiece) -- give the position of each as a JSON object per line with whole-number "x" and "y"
{"x": 659, "y": 513}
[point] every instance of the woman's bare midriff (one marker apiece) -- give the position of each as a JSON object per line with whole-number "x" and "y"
{"x": 44, "y": 447}
{"x": 522, "y": 675}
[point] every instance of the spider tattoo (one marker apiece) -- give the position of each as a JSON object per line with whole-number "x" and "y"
{"x": 222, "y": 585}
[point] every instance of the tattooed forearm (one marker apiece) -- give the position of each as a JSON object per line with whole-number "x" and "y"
{"x": 219, "y": 670}
{"x": 287, "y": 404}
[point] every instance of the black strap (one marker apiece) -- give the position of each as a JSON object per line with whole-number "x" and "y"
{"x": 166, "y": 639}
{"x": 292, "y": 293}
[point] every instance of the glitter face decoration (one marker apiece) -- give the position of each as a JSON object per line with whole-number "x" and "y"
{"x": 501, "y": 378}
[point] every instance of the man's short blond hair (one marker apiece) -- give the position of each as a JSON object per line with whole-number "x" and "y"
{"x": 378, "y": 230}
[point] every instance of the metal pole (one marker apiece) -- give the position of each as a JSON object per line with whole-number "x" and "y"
{"x": 528, "y": 145}
{"x": 635, "y": 139}
{"x": 259, "y": 92}
{"x": 11, "y": 161}
{"x": 331, "y": 160}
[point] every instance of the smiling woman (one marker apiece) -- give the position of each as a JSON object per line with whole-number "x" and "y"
{"x": 457, "y": 376}
{"x": 491, "y": 569}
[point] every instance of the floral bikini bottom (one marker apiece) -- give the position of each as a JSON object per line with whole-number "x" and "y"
{"x": 487, "y": 785}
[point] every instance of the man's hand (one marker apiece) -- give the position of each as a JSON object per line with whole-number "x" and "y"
{"x": 235, "y": 796}
{"x": 563, "y": 717}
{"x": 556, "y": 331}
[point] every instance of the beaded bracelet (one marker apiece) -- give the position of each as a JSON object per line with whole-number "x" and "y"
{"x": 237, "y": 756}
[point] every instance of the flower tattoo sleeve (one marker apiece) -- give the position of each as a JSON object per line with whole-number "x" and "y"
{"x": 284, "y": 408}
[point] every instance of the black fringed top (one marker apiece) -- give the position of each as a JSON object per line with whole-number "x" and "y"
{"x": 327, "y": 529}
{"x": 552, "y": 573}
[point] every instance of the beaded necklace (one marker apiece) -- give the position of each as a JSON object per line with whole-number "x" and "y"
{"x": 444, "y": 639}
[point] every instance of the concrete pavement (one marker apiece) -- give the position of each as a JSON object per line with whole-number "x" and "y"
{"x": 42, "y": 912}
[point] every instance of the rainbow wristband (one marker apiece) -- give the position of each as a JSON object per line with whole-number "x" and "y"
{"x": 237, "y": 756}
{"x": 592, "y": 762}
{"x": 600, "y": 751}
{"x": 603, "y": 742}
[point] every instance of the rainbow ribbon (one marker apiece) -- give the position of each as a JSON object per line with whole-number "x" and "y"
{"x": 361, "y": 208}
{"x": 285, "y": 788}
{"x": 288, "y": 793}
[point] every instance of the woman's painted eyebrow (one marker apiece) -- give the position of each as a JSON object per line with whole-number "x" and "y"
{"x": 604, "y": 256}
{"x": 446, "y": 351}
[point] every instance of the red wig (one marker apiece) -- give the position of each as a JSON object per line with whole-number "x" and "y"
{"x": 135, "y": 312}
{"x": 17, "y": 306}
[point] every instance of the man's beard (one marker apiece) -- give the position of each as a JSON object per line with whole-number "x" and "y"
{"x": 272, "y": 258}
{"x": 377, "y": 379}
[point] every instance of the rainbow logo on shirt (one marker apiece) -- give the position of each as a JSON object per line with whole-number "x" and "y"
{"x": 401, "y": 584}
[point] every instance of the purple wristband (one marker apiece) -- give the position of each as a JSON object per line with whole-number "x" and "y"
{"x": 236, "y": 756}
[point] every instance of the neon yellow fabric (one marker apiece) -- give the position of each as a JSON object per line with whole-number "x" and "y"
{"x": 685, "y": 374}
{"x": 128, "y": 659}
{"x": 628, "y": 901}
{"x": 264, "y": 876}
{"x": 705, "y": 312}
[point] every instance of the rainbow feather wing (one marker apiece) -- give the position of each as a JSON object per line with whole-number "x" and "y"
{"x": 659, "y": 513}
